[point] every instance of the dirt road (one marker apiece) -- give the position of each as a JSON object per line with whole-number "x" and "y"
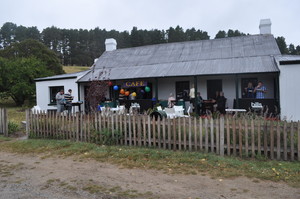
{"x": 29, "y": 176}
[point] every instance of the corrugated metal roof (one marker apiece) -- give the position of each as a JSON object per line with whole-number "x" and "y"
{"x": 288, "y": 58}
{"x": 246, "y": 54}
{"x": 63, "y": 76}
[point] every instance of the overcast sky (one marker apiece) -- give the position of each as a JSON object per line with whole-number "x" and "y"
{"x": 206, "y": 15}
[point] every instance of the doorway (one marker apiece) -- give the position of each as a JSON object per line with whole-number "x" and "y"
{"x": 212, "y": 87}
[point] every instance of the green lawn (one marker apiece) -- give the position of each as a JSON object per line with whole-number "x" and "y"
{"x": 74, "y": 69}
{"x": 165, "y": 160}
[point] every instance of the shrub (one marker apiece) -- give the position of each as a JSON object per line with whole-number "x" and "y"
{"x": 12, "y": 127}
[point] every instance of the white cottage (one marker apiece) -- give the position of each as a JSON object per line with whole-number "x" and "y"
{"x": 205, "y": 66}
{"x": 48, "y": 87}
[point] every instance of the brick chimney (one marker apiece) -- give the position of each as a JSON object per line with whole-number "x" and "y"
{"x": 110, "y": 44}
{"x": 265, "y": 26}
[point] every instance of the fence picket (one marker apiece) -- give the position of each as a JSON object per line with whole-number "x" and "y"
{"x": 174, "y": 134}
{"x": 292, "y": 142}
{"x": 272, "y": 140}
{"x": 144, "y": 130}
{"x": 222, "y": 136}
{"x": 258, "y": 138}
{"x": 153, "y": 132}
{"x": 195, "y": 135}
{"x": 169, "y": 133}
{"x": 217, "y": 137}
{"x": 149, "y": 132}
{"x": 265, "y": 139}
{"x": 240, "y": 138}
{"x": 125, "y": 130}
{"x": 134, "y": 129}
{"x": 184, "y": 133}
{"x": 278, "y": 148}
{"x": 190, "y": 133}
{"x": 130, "y": 130}
{"x": 234, "y": 137}
{"x": 139, "y": 131}
{"x": 285, "y": 140}
{"x": 158, "y": 132}
{"x": 206, "y": 135}
{"x": 179, "y": 133}
{"x": 201, "y": 134}
{"x": 212, "y": 146}
{"x": 252, "y": 139}
{"x": 246, "y": 138}
{"x": 164, "y": 133}
{"x": 228, "y": 135}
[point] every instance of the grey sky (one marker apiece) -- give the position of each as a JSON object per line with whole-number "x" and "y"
{"x": 206, "y": 15}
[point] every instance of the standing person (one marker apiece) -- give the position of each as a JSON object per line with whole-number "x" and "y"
{"x": 68, "y": 99}
{"x": 60, "y": 101}
{"x": 249, "y": 90}
{"x": 199, "y": 103}
{"x": 260, "y": 90}
{"x": 171, "y": 101}
{"x": 221, "y": 103}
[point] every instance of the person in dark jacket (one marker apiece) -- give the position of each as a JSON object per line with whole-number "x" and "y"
{"x": 221, "y": 103}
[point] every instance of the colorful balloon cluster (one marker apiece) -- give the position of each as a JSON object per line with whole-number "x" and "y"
{"x": 127, "y": 93}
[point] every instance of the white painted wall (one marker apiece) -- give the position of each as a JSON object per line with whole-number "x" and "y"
{"x": 289, "y": 82}
{"x": 43, "y": 91}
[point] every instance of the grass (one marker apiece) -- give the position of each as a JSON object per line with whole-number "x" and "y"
{"x": 74, "y": 69}
{"x": 167, "y": 161}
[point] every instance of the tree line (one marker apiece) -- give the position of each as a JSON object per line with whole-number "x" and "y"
{"x": 82, "y": 46}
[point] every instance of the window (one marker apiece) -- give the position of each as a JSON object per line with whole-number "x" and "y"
{"x": 53, "y": 91}
{"x": 244, "y": 85}
{"x": 183, "y": 90}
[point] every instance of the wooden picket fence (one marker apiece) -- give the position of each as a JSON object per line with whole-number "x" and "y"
{"x": 243, "y": 136}
{"x": 3, "y": 122}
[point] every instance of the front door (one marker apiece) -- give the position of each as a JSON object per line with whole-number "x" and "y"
{"x": 212, "y": 87}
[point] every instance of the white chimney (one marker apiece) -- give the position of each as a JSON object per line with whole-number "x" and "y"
{"x": 265, "y": 26}
{"x": 110, "y": 44}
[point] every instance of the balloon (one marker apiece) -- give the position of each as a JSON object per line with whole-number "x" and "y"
{"x": 116, "y": 88}
{"x": 110, "y": 83}
{"x": 147, "y": 89}
{"x": 122, "y": 91}
{"x": 127, "y": 93}
{"x": 134, "y": 94}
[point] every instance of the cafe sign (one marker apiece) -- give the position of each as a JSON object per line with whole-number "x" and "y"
{"x": 129, "y": 84}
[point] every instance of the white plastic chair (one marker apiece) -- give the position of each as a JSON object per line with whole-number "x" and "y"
{"x": 170, "y": 112}
{"x": 179, "y": 111}
{"x": 159, "y": 108}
